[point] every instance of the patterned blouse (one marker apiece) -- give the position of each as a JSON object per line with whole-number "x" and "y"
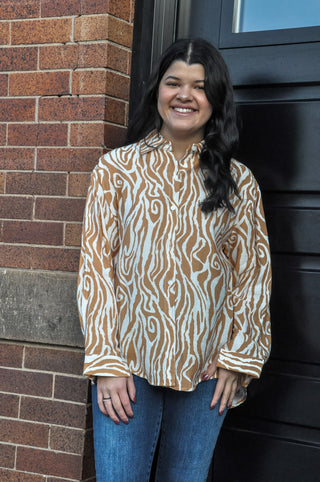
{"x": 163, "y": 287}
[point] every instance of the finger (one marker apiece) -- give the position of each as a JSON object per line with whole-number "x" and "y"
{"x": 225, "y": 398}
{"x": 217, "y": 392}
{"x": 110, "y": 410}
{"x": 210, "y": 371}
{"x": 101, "y": 403}
{"x": 132, "y": 389}
{"x": 232, "y": 395}
{"x": 125, "y": 401}
{"x": 117, "y": 407}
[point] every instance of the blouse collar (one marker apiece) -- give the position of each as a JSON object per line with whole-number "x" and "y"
{"x": 154, "y": 140}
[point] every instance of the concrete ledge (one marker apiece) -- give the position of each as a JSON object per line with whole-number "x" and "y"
{"x": 40, "y": 307}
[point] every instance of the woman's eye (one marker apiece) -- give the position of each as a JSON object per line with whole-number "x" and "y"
{"x": 200, "y": 87}
{"x": 172, "y": 84}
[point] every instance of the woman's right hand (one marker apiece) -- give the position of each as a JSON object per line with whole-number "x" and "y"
{"x": 118, "y": 391}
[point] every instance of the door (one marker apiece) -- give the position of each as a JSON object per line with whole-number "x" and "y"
{"x": 272, "y": 50}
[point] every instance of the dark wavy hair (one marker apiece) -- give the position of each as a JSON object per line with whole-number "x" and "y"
{"x": 221, "y": 132}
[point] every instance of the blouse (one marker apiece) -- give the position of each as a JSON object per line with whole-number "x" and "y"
{"x": 164, "y": 288}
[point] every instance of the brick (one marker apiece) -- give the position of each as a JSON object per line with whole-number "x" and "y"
{"x": 16, "y": 476}
{"x": 49, "y": 463}
{"x": 24, "y": 433}
{"x": 37, "y": 134}
{"x": 54, "y": 360}
{"x": 72, "y": 108}
{"x": 88, "y": 456}
{"x": 17, "y": 110}
{"x": 54, "y": 412}
{"x": 2, "y": 182}
{"x": 36, "y": 183}
{"x": 115, "y": 111}
{"x": 58, "y": 57}
{"x": 87, "y": 134}
{"x": 27, "y": 383}
{"x": 93, "y": 55}
{"x": 11, "y": 355}
{"x": 121, "y": 9}
{"x": 91, "y": 28}
{"x": 115, "y": 136}
{"x": 107, "y": 135}
{"x": 16, "y": 158}
{"x": 60, "y": 8}
{"x": 54, "y": 479}
{"x": 9, "y": 405}
{"x": 117, "y": 85}
{"x": 118, "y": 59}
{"x": 18, "y": 58}
{"x": 74, "y": 389}
{"x": 13, "y": 207}
{"x": 4, "y": 84}
{"x": 39, "y": 83}
{"x": 32, "y": 232}
{"x": 15, "y": 257}
{"x": 67, "y": 440}
{"x": 100, "y": 27}
{"x": 120, "y": 32}
{"x": 79, "y": 184}
{"x": 4, "y": 33}
{"x": 11, "y": 9}
{"x": 73, "y": 234}
{"x": 63, "y": 209}
{"x": 89, "y": 82}
{"x": 91, "y": 7}
{"x": 3, "y": 134}
{"x": 41, "y": 31}
{"x": 7, "y": 454}
{"x": 55, "y": 259}
{"x": 68, "y": 159}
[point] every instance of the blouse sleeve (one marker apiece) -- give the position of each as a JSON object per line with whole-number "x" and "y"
{"x": 96, "y": 294}
{"x": 248, "y": 299}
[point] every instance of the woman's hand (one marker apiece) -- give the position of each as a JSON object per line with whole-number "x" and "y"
{"x": 117, "y": 392}
{"x": 228, "y": 384}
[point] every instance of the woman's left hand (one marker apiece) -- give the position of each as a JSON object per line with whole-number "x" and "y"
{"x": 228, "y": 384}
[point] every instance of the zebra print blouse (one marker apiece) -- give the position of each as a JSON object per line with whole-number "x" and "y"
{"x": 164, "y": 288}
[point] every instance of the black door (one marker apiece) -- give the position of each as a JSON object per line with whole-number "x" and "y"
{"x": 275, "y": 69}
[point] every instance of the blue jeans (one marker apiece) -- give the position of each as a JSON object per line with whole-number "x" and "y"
{"x": 189, "y": 431}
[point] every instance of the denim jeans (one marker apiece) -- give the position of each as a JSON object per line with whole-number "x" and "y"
{"x": 188, "y": 432}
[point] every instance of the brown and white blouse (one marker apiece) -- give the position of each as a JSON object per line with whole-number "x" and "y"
{"x": 163, "y": 287}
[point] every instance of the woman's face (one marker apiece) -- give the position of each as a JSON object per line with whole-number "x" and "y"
{"x": 182, "y": 102}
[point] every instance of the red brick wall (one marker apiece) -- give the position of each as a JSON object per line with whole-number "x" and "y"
{"x": 43, "y": 415}
{"x": 64, "y": 90}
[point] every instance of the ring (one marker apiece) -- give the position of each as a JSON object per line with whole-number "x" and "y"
{"x": 105, "y": 399}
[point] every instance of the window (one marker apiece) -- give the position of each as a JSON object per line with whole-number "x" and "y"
{"x": 246, "y": 23}
{"x": 259, "y": 15}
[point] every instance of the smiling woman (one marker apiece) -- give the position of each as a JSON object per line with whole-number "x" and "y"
{"x": 174, "y": 278}
{"x": 183, "y": 105}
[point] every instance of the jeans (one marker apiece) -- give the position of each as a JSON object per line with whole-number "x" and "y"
{"x": 188, "y": 432}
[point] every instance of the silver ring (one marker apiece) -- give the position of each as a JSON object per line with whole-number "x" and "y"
{"x": 105, "y": 399}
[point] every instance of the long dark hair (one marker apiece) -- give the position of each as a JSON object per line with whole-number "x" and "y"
{"x": 221, "y": 132}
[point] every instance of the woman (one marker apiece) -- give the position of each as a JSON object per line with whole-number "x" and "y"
{"x": 174, "y": 277}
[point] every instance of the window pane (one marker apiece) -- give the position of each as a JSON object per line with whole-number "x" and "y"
{"x": 257, "y": 15}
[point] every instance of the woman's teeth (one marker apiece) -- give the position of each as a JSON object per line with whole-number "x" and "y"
{"x": 180, "y": 109}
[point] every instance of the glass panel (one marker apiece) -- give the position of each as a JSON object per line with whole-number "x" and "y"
{"x": 257, "y": 15}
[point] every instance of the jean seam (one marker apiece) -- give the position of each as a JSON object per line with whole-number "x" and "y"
{"x": 153, "y": 447}
{"x": 162, "y": 438}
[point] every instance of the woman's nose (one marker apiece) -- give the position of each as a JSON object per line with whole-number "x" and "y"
{"x": 184, "y": 93}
